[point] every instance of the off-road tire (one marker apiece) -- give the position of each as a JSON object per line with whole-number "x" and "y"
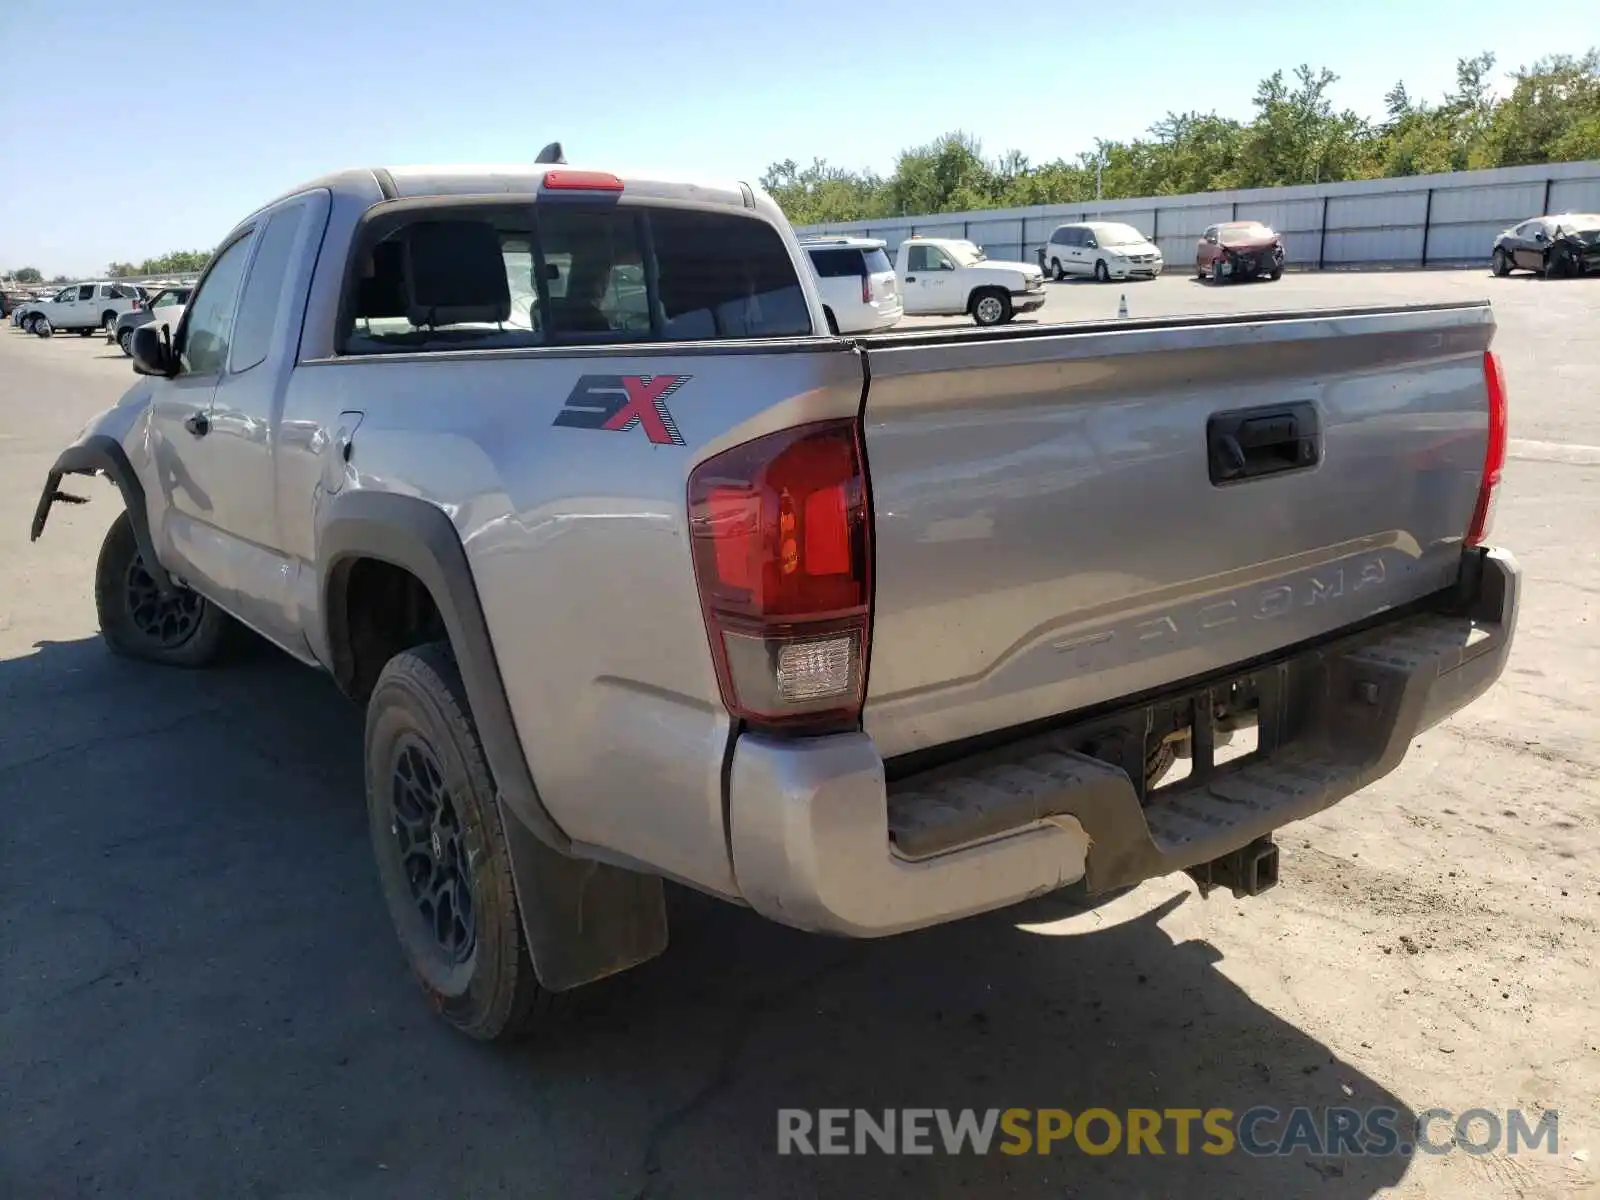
{"x": 489, "y": 993}
{"x": 135, "y": 623}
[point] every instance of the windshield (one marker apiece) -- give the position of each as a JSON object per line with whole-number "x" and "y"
{"x": 1118, "y": 235}
{"x": 1246, "y": 233}
{"x": 965, "y": 253}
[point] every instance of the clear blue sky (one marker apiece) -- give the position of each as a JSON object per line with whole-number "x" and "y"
{"x": 156, "y": 125}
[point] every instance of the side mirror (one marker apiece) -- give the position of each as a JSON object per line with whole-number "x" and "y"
{"x": 152, "y": 351}
{"x": 1539, "y": 237}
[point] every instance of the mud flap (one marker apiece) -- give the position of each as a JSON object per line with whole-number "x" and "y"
{"x": 584, "y": 920}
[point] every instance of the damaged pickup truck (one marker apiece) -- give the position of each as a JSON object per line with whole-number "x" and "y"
{"x": 641, "y": 575}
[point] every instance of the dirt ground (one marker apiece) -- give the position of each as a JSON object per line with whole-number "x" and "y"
{"x": 200, "y": 993}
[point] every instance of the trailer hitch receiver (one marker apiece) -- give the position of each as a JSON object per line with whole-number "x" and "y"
{"x": 1248, "y": 871}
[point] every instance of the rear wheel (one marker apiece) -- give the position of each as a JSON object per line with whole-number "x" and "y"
{"x": 182, "y": 629}
{"x": 108, "y": 321}
{"x": 442, "y": 856}
{"x": 1056, "y": 272}
{"x": 991, "y": 307}
{"x": 85, "y": 332}
{"x": 1501, "y": 263}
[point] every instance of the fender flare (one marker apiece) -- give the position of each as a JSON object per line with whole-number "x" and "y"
{"x": 583, "y": 919}
{"x": 100, "y": 453}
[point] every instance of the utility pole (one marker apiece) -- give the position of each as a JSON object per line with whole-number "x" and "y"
{"x": 1099, "y": 161}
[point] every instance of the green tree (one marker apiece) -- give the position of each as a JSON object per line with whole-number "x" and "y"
{"x": 121, "y": 270}
{"x": 27, "y": 275}
{"x": 1296, "y": 135}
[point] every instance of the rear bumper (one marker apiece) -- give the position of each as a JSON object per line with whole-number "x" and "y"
{"x": 822, "y": 842}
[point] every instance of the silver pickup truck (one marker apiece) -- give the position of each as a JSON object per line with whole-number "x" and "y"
{"x": 641, "y": 575}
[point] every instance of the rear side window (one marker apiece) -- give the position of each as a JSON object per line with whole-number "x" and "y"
{"x": 533, "y": 275}
{"x": 877, "y": 262}
{"x": 258, "y": 303}
{"x": 837, "y": 264}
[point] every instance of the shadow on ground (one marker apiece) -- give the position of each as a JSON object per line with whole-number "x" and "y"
{"x": 202, "y": 997}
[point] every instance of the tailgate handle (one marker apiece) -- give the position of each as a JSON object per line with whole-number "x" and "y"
{"x": 1253, "y": 442}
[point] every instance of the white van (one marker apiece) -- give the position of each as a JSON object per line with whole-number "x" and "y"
{"x": 1103, "y": 249}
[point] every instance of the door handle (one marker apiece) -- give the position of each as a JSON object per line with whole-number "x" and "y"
{"x": 199, "y": 424}
{"x": 911, "y": 278}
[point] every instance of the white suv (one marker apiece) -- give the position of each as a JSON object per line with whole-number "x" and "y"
{"x": 83, "y": 307}
{"x": 1103, "y": 249}
{"x": 856, "y": 278}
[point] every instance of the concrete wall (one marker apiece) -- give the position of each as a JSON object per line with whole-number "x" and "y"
{"x": 1415, "y": 221}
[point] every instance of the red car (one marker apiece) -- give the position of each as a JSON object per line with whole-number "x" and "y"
{"x": 1239, "y": 250}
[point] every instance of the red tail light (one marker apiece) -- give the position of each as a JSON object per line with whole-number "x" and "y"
{"x": 866, "y": 290}
{"x": 782, "y": 556}
{"x": 1494, "y": 453}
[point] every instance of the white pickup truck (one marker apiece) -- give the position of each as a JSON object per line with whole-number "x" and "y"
{"x": 951, "y": 277}
{"x": 82, "y": 307}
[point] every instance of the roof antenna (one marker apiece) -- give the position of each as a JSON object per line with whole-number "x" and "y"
{"x": 552, "y": 154}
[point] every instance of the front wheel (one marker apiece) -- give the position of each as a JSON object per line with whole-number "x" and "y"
{"x": 1217, "y": 276}
{"x": 182, "y": 629}
{"x": 39, "y": 325}
{"x": 443, "y": 861}
{"x": 1277, "y": 273}
{"x": 991, "y": 308}
{"x": 1102, "y": 273}
{"x": 125, "y": 340}
{"x": 1501, "y": 263}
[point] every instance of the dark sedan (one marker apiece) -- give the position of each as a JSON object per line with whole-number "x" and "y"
{"x": 1239, "y": 250}
{"x": 1561, "y": 244}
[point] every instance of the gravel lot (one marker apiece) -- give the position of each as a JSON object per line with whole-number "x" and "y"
{"x": 200, "y": 993}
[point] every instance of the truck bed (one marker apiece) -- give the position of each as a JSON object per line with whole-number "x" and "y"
{"x": 1068, "y": 514}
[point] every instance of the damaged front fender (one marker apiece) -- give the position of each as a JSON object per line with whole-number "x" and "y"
{"x": 98, "y": 451}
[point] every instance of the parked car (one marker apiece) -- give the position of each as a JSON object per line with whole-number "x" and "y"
{"x": 83, "y": 307}
{"x": 24, "y": 307}
{"x": 166, "y": 306}
{"x": 1239, "y": 250}
{"x": 1561, "y": 244}
{"x": 1102, "y": 249}
{"x": 856, "y": 278}
{"x": 609, "y": 585}
{"x": 951, "y": 276}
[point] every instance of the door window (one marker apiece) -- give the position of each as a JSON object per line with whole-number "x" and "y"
{"x": 258, "y": 303}
{"x": 208, "y": 322}
{"x": 86, "y": 292}
{"x": 928, "y": 258}
{"x": 66, "y": 295}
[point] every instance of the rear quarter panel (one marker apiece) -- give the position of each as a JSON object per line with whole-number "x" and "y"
{"x": 578, "y": 542}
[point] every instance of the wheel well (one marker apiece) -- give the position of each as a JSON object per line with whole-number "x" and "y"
{"x": 376, "y": 610}
{"x": 978, "y": 293}
{"x": 111, "y": 313}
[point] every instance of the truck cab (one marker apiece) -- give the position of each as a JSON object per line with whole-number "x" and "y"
{"x": 953, "y": 277}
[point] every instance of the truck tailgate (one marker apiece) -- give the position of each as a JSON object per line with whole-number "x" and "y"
{"x": 1064, "y": 516}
